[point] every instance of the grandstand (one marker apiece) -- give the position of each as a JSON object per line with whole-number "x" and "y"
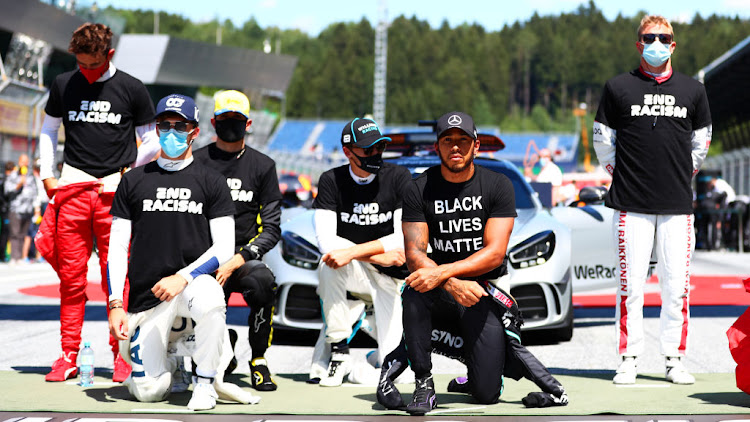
{"x": 294, "y": 143}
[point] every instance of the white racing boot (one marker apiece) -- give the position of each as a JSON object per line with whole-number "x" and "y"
{"x": 338, "y": 368}
{"x": 626, "y": 371}
{"x": 676, "y": 372}
{"x": 204, "y": 396}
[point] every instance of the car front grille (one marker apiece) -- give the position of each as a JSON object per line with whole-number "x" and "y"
{"x": 531, "y": 302}
{"x": 303, "y": 304}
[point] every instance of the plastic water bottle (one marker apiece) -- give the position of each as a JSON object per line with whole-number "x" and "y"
{"x": 86, "y": 365}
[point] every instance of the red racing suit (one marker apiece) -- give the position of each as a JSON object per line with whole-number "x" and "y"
{"x": 77, "y": 215}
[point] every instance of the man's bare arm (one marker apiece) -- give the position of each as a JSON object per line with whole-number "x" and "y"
{"x": 496, "y": 235}
{"x": 338, "y": 258}
{"x": 416, "y": 240}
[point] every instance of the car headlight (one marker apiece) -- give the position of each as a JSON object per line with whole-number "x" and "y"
{"x": 299, "y": 252}
{"x": 535, "y": 250}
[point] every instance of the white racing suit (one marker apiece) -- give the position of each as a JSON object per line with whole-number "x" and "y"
{"x": 191, "y": 324}
{"x": 673, "y": 240}
{"x": 365, "y": 282}
{"x": 360, "y": 317}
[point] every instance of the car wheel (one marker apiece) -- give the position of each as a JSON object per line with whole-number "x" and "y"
{"x": 566, "y": 332}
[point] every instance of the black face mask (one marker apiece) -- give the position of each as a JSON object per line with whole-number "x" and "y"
{"x": 231, "y": 130}
{"x": 371, "y": 164}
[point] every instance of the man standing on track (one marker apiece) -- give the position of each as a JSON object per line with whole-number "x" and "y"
{"x": 252, "y": 179}
{"x": 466, "y": 214}
{"x": 652, "y": 132}
{"x": 102, "y": 109}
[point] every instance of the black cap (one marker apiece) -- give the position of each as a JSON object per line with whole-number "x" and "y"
{"x": 456, "y": 119}
{"x": 362, "y": 133}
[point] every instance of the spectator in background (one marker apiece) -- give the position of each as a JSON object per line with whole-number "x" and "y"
{"x": 722, "y": 190}
{"x": 40, "y": 205}
{"x": 568, "y": 193}
{"x": 549, "y": 173}
{"x": 20, "y": 183}
{"x": 318, "y": 151}
{"x": 724, "y": 195}
{"x": 5, "y": 198}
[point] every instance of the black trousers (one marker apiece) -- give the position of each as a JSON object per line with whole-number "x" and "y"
{"x": 483, "y": 338}
{"x": 257, "y": 284}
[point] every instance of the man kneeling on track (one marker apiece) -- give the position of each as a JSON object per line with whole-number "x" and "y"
{"x": 447, "y": 341}
{"x": 180, "y": 215}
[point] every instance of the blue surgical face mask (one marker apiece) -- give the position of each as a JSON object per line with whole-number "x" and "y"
{"x": 656, "y": 53}
{"x": 173, "y": 143}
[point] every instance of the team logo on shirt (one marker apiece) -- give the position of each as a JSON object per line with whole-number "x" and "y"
{"x": 366, "y": 215}
{"x": 173, "y": 200}
{"x": 658, "y": 105}
{"x": 239, "y": 194}
{"x": 95, "y": 112}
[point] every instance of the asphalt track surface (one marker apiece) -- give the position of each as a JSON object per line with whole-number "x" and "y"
{"x": 30, "y": 324}
{"x": 104, "y": 417}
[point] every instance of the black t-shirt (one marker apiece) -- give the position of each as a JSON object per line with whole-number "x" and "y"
{"x": 169, "y": 211}
{"x": 364, "y": 212}
{"x": 654, "y": 123}
{"x": 457, "y": 213}
{"x": 100, "y": 119}
{"x": 252, "y": 180}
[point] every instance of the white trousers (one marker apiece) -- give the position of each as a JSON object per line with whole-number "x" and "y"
{"x": 673, "y": 238}
{"x": 370, "y": 285}
{"x": 151, "y": 331}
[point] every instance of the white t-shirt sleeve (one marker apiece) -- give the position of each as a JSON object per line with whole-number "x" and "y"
{"x": 48, "y": 146}
{"x": 222, "y": 233}
{"x": 700, "y": 140}
{"x": 117, "y": 257}
{"x": 149, "y": 144}
{"x": 325, "y": 232}
{"x": 394, "y": 240}
{"x": 605, "y": 139}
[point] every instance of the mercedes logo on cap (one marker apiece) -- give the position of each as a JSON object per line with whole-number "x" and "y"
{"x": 454, "y": 120}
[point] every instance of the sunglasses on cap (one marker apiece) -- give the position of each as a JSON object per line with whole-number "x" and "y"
{"x": 650, "y": 38}
{"x": 165, "y": 126}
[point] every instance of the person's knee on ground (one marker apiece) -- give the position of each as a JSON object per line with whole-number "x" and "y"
{"x": 485, "y": 397}
{"x": 150, "y": 389}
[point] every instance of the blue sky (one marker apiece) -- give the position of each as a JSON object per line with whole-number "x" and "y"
{"x": 313, "y": 16}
